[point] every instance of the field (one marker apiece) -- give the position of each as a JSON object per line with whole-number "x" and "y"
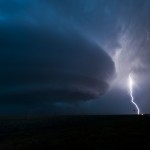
{"x": 75, "y": 132}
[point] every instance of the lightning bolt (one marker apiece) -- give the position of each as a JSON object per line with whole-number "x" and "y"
{"x": 130, "y": 80}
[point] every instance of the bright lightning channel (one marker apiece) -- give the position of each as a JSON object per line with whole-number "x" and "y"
{"x": 130, "y": 80}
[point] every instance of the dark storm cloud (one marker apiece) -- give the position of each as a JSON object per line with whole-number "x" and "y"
{"x": 40, "y": 64}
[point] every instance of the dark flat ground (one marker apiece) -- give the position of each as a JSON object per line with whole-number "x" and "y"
{"x": 75, "y": 132}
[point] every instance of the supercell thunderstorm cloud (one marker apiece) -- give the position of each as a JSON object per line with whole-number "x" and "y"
{"x": 52, "y": 67}
{"x": 74, "y": 57}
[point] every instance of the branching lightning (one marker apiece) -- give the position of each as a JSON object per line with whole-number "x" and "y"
{"x": 130, "y": 80}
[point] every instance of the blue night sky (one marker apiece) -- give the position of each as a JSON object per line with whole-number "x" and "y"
{"x": 74, "y": 56}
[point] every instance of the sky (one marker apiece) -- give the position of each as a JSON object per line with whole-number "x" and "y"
{"x": 74, "y": 57}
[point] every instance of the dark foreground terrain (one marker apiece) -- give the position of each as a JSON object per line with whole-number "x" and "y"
{"x": 75, "y": 132}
